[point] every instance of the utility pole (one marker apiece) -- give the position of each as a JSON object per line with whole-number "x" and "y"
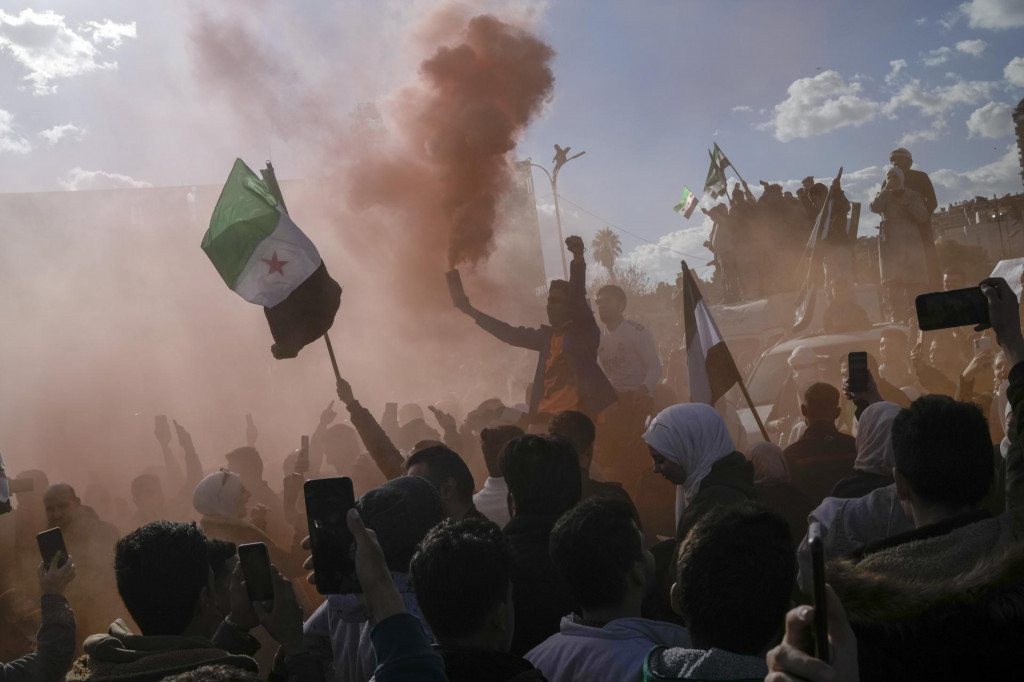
{"x": 561, "y": 158}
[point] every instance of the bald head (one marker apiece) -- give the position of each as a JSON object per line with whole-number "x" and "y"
{"x": 61, "y": 503}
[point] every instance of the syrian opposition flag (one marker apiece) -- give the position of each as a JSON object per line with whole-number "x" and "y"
{"x": 711, "y": 367}
{"x": 715, "y": 182}
{"x": 686, "y": 204}
{"x": 829, "y": 219}
{"x": 719, "y": 157}
{"x": 263, "y": 257}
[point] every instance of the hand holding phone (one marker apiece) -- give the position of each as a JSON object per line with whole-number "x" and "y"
{"x": 327, "y": 503}
{"x": 857, "y": 364}
{"x": 957, "y": 308}
{"x": 254, "y": 560}
{"x": 51, "y": 542}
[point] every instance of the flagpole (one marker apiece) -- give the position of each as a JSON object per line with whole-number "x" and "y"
{"x": 757, "y": 417}
{"x": 270, "y": 178}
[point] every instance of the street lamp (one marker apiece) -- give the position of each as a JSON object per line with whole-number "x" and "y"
{"x": 561, "y": 158}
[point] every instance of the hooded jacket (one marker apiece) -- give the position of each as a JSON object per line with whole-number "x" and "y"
{"x": 55, "y": 646}
{"x": 582, "y": 338}
{"x": 613, "y": 652}
{"x": 126, "y": 657}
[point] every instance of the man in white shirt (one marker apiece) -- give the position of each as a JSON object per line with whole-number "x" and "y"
{"x": 629, "y": 358}
{"x": 492, "y": 500}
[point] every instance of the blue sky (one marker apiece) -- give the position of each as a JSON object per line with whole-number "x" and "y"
{"x": 787, "y": 88}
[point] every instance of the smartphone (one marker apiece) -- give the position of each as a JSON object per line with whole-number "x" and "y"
{"x": 50, "y": 542}
{"x": 302, "y": 461}
{"x": 820, "y": 602}
{"x": 957, "y": 308}
{"x": 455, "y": 285}
{"x": 255, "y": 562}
{"x": 982, "y": 345}
{"x": 857, "y": 364}
{"x": 327, "y": 503}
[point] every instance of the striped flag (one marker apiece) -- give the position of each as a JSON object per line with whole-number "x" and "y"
{"x": 686, "y": 204}
{"x": 719, "y": 157}
{"x": 828, "y": 219}
{"x": 711, "y": 367}
{"x": 715, "y": 182}
{"x": 266, "y": 259}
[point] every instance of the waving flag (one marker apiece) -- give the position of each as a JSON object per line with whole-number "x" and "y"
{"x": 829, "y": 218}
{"x": 712, "y": 370}
{"x": 720, "y": 159}
{"x": 266, "y": 259}
{"x": 686, "y": 204}
{"x": 715, "y": 183}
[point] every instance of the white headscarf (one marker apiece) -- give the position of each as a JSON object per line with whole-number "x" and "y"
{"x": 899, "y": 173}
{"x": 874, "y": 439}
{"x": 693, "y": 436}
{"x": 217, "y": 494}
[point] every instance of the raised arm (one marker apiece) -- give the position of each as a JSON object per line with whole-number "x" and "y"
{"x": 582, "y": 315}
{"x": 193, "y": 467}
{"x": 521, "y": 337}
{"x": 55, "y": 647}
{"x": 384, "y": 453}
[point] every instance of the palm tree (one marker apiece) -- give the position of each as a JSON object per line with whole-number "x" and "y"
{"x": 607, "y": 247}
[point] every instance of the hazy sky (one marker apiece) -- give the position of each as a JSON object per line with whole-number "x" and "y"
{"x": 99, "y": 94}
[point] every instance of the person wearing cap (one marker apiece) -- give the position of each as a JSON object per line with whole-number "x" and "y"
{"x": 904, "y": 237}
{"x": 804, "y": 371}
{"x": 919, "y": 182}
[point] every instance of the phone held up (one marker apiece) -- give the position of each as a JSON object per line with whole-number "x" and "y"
{"x": 327, "y": 503}
{"x": 50, "y": 542}
{"x": 857, "y": 363}
{"x": 957, "y": 308}
{"x": 814, "y": 541}
{"x": 255, "y": 562}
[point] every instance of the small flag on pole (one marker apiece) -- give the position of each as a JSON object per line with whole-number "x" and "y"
{"x": 266, "y": 259}
{"x": 715, "y": 183}
{"x": 719, "y": 158}
{"x": 686, "y": 204}
{"x": 712, "y": 370}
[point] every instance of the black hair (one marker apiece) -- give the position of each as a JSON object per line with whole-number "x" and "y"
{"x": 613, "y": 290}
{"x": 443, "y": 463}
{"x": 460, "y": 572}
{"x": 944, "y": 450}
{"x": 821, "y": 397}
{"x": 214, "y": 673}
{"x": 593, "y": 547}
{"x": 493, "y": 440}
{"x": 542, "y": 474}
{"x": 575, "y": 427}
{"x": 161, "y": 570}
{"x": 734, "y": 578}
{"x": 560, "y": 285}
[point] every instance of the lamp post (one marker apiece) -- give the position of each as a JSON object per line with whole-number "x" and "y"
{"x": 561, "y": 158}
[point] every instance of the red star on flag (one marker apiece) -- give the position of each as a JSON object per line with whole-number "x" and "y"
{"x": 275, "y": 265}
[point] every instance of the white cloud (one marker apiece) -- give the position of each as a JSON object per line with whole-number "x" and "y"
{"x": 896, "y": 66}
{"x": 50, "y": 50}
{"x": 927, "y": 135}
{"x": 814, "y": 106}
{"x": 109, "y": 32}
{"x": 994, "y": 14}
{"x": 741, "y": 108}
{"x": 10, "y": 140}
{"x": 999, "y": 177}
{"x": 661, "y": 260}
{"x": 993, "y": 120}
{"x": 1014, "y": 72}
{"x": 938, "y": 101}
{"x": 81, "y": 179}
{"x": 57, "y": 133}
{"x": 921, "y": 21}
{"x": 971, "y": 47}
{"x": 936, "y": 57}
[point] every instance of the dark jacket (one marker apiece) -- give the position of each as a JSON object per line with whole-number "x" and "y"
{"x": 55, "y": 646}
{"x": 859, "y": 484}
{"x": 539, "y": 598}
{"x": 820, "y": 459}
{"x": 465, "y": 664}
{"x": 920, "y": 182}
{"x": 581, "y": 342}
{"x": 790, "y": 503}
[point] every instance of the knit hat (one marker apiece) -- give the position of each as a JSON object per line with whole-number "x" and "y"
{"x": 900, "y": 152}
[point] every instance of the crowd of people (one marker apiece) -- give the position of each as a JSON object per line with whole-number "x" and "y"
{"x": 603, "y": 531}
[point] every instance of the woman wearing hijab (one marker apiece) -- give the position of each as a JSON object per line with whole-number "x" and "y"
{"x": 873, "y": 467}
{"x": 222, "y": 500}
{"x": 691, "y": 447}
{"x": 901, "y": 251}
{"x": 776, "y": 490}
